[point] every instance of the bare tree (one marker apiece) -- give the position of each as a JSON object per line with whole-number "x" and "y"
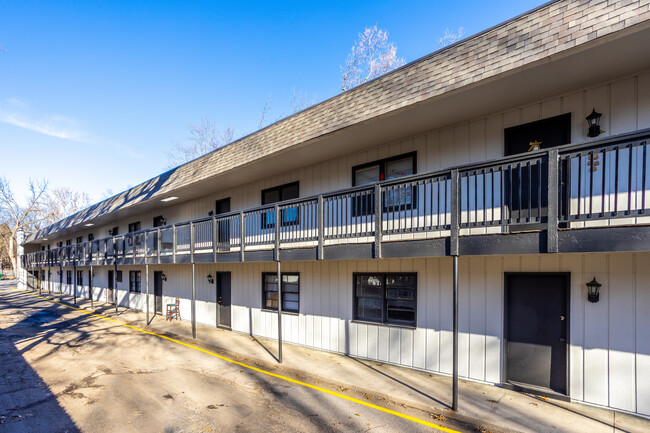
{"x": 204, "y": 137}
{"x": 62, "y": 202}
{"x": 265, "y": 109}
{"x": 450, "y": 37}
{"x": 28, "y": 217}
{"x": 372, "y": 55}
{"x": 5, "y": 257}
{"x": 301, "y": 101}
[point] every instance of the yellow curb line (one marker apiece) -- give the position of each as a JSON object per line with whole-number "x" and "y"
{"x": 250, "y": 367}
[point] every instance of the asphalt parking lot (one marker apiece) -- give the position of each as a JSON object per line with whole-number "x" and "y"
{"x": 64, "y": 370}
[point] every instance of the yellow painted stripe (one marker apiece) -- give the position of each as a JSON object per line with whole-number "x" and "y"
{"x": 250, "y": 367}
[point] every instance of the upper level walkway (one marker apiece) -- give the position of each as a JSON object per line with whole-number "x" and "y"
{"x": 588, "y": 197}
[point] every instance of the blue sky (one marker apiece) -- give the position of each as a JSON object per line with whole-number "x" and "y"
{"x": 93, "y": 93}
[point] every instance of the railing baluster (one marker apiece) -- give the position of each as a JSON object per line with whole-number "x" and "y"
{"x": 643, "y": 178}
{"x": 604, "y": 184}
{"x": 629, "y": 179}
{"x": 616, "y": 171}
{"x": 592, "y": 168}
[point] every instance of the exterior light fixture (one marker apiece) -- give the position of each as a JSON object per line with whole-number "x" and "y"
{"x": 593, "y": 120}
{"x": 89, "y": 225}
{"x": 592, "y": 290}
{"x": 164, "y": 277}
{"x": 169, "y": 198}
{"x": 210, "y": 279}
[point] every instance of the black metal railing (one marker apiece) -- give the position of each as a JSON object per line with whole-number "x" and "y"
{"x": 541, "y": 190}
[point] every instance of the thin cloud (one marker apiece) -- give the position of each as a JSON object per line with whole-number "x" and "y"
{"x": 15, "y": 112}
{"x": 43, "y": 127}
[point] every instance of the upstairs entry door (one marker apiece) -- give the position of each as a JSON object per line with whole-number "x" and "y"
{"x": 223, "y": 299}
{"x": 223, "y": 228}
{"x": 536, "y": 330}
{"x": 525, "y": 186}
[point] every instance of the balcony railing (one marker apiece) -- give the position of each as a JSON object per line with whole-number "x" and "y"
{"x": 543, "y": 190}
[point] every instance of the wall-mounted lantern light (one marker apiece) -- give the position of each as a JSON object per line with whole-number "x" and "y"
{"x": 163, "y": 277}
{"x": 210, "y": 279}
{"x": 163, "y": 221}
{"x": 211, "y": 213}
{"x": 593, "y": 120}
{"x": 592, "y": 290}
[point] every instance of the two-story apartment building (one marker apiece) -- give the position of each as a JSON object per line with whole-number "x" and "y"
{"x": 468, "y": 181}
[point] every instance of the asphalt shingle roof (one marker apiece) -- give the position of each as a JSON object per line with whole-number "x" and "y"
{"x": 533, "y": 36}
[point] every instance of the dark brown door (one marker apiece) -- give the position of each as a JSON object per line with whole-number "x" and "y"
{"x": 536, "y": 330}
{"x": 223, "y": 228}
{"x": 111, "y": 284}
{"x": 525, "y": 190}
{"x": 90, "y": 284}
{"x": 223, "y": 299}
{"x": 157, "y": 291}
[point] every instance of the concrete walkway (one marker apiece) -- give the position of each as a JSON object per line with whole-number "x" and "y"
{"x": 494, "y": 409}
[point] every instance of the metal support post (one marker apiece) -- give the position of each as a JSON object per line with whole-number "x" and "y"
{"x": 49, "y": 280}
{"x": 454, "y": 403}
{"x": 454, "y": 252}
{"x": 193, "y": 280}
{"x": 279, "y": 313}
{"x": 90, "y": 286}
{"x": 115, "y": 286}
{"x": 193, "y": 301}
{"x": 74, "y": 271}
{"x": 146, "y": 282}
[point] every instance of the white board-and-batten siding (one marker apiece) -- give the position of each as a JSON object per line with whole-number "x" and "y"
{"x": 609, "y": 359}
{"x": 609, "y": 350}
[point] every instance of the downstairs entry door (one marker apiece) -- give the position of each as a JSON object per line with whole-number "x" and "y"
{"x": 157, "y": 291}
{"x": 111, "y": 283}
{"x": 536, "y": 330}
{"x": 223, "y": 299}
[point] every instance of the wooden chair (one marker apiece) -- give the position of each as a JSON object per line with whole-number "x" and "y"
{"x": 173, "y": 311}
